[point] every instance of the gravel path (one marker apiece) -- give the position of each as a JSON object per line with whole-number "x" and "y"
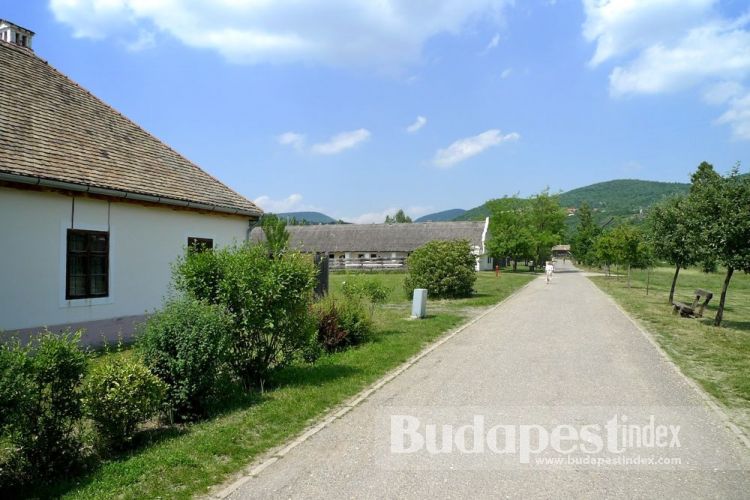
{"x": 553, "y": 365}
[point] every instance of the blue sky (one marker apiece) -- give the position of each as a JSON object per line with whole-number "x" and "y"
{"x": 356, "y": 107}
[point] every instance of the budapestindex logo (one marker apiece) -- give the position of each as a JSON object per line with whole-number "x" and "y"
{"x": 617, "y": 435}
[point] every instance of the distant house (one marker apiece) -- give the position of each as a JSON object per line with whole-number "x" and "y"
{"x": 382, "y": 245}
{"x": 561, "y": 251}
{"x": 93, "y": 209}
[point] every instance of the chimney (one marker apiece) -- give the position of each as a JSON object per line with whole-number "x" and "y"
{"x": 12, "y": 33}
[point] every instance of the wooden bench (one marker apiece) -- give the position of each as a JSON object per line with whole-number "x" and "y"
{"x": 696, "y": 308}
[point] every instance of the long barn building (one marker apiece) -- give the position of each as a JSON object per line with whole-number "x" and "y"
{"x": 351, "y": 246}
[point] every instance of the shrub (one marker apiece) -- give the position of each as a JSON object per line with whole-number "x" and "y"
{"x": 119, "y": 394}
{"x": 41, "y": 408}
{"x": 16, "y": 386}
{"x": 342, "y": 322}
{"x": 268, "y": 298}
{"x": 444, "y": 268}
{"x": 186, "y": 345}
{"x": 369, "y": 289}
{"x": 17, "y": 395}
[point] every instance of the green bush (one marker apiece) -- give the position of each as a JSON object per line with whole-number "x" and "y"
{"x": 186, "y": 345}
{"x": 342, "y": 322}
{"x": 268, "y": 298}
{"x": 119, "y": 394}
{"x": 16, "y": 385}
{"x": 41, "y": 408}
{"x": 370, "y": 289}
{"x": 444, "y": 268}
{"x": 17, "y": 395}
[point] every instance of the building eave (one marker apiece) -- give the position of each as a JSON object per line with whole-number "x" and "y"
{"x": 125, "y": 195}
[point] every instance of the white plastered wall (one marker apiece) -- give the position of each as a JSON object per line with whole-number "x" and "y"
{"x": 144, "y": 241}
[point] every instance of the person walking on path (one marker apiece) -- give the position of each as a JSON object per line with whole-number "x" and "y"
{"x": 548, "y": 270}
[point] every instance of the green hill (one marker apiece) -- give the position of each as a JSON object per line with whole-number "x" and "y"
{"x": 621, "y": 198}
{"x": 445, "y": 215}
{"x": 476, "y": 213}
{"x": 310, "y": 217}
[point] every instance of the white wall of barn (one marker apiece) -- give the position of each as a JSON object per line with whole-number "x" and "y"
{"x": 144, "y": 241}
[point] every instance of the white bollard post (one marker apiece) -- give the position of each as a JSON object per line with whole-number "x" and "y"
{"x": 419, "y": 303}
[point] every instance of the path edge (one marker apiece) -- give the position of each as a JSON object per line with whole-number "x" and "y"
{"x": 226, "y": 488}
{"x": 702, "y": 394}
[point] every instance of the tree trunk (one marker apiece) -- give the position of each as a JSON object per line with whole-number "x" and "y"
{"x": 628, "y": 275}
{"x": 515, "y": 264}
{"x": 674, "y": 282}
{"x": 720, "y": 312}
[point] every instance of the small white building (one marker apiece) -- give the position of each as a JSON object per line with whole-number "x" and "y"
{"x": 93, "y": 209}
{"x": 386, "y": 246}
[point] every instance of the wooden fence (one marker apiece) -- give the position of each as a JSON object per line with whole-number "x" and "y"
{"x": 376, "y": 264}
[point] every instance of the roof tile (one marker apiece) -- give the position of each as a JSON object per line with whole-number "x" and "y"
{"x": 54, "y": 129}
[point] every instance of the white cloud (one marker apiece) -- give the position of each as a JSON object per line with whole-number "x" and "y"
{"x": 722, "y": 92}
{"x": 716, "y": 50}
{"x": 341, "y": 142}
{"x": 387, "y": 33}
{"x": 506, "y": 73}
{"x": 738, "y": 117}
{"x": 493, "y": 43}
{"x": 465, "y": 148}
{"x": 420, "y": 122}
{"x": 293, "y": 139}
{"x": 145, "y": 40}
{"x": 672, "y": 45}
{"x": 621, "y": 26}
{"x": 292, "y": 203}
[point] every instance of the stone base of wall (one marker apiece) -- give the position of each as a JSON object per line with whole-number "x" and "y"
{"x": 95, "y": 333}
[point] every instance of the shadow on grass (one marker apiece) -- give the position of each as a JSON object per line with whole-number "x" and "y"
{"x": 743, "y": 326}
{"x": 309, "y": 374}
{"x": 142, "y": 440}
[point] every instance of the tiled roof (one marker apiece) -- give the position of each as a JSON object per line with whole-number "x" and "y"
{"x": 53, "y": 129}
{"x": 376, "y": 237}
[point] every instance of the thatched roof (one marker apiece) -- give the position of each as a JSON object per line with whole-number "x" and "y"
{"x": 377, "y": 237}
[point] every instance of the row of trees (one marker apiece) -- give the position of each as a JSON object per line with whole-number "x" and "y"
{"x": 525, "y": 228}
{"x": 709, "y": 226}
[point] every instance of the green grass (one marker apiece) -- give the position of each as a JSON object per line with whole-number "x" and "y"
{"x": 717, "y": 358}
{"x": 184, "y": 461}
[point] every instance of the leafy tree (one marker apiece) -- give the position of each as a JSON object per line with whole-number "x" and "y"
{"x": 547, "y": 224}
{"x": 605, "y": 250}
{"x": 510, "y": 235}
{"x": 672, "y": 232}
{"x": 399, "y": 218}
{"x": 722, "y": 209}
{"x": 277, "y": 237}
{"x": 631, "y": 248}
{"x": 585, "y": 236}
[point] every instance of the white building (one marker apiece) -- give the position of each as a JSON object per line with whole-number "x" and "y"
{"x": 352, "y": 246}
{"x": 93, "y": 209}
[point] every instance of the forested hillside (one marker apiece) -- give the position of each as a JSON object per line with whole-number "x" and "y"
{"x": 618, "y": 199}
{"x": 445, "y": 215}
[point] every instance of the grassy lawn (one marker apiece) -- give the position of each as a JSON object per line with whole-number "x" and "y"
{"x": 185, "y": 461}
{"x": 717, "y": 358}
